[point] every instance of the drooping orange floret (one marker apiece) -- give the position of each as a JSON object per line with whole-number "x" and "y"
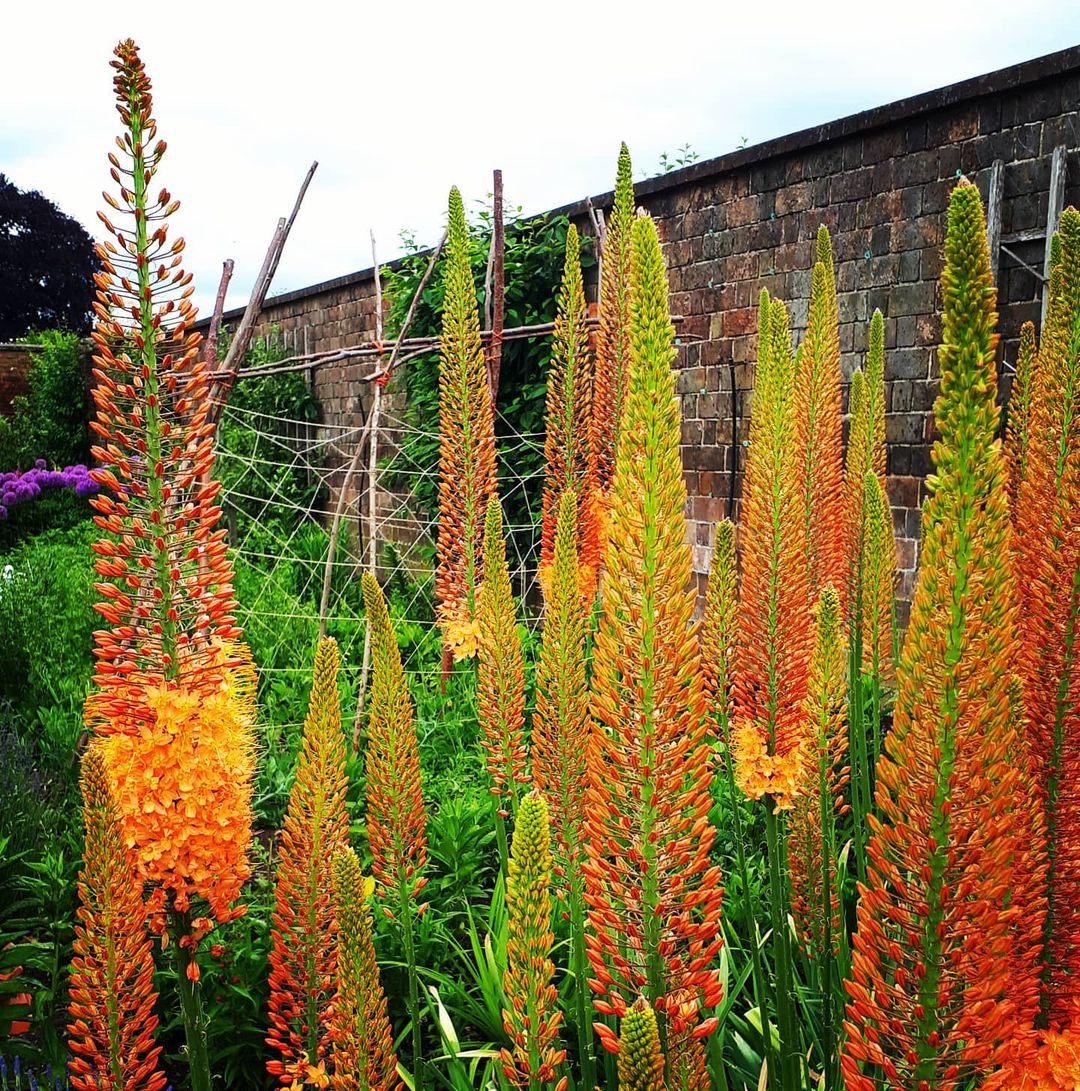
{"x": 396, "y": 818}
{"x": 568, "y": 460}
{"x": 1018, "y": 430}
{"x": 937, "y": 991}
{"x": 182, "y": 783}
{"x": 303, "y": 953}
{"x": 166, "y": 581}
{"x": 466, "y": 445}
{"x": 531, "y": 1017}
{"x": 653, "y": 895}
{"x": 817, "y": 451}
{"x": 812, "y": 848}
{"x": 500, "y": 676}
{"x": 1049, "y": 1063}
{"x": 1048, "y": 581}
{"x": 775, "y": 635}
{"x": 111, "y": 1020}
{"x": 613, "y": 356}
{"x": 363, "y": 1042}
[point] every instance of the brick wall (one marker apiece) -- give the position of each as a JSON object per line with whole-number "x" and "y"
{"x": 14, "y": 368}
{"x": 731, "y": 226}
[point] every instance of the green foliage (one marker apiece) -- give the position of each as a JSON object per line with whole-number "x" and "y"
{"x": 50, "y": 421}
{"x": 535, "y": 250}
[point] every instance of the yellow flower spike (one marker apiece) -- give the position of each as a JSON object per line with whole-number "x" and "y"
{"x": 878, "y": 597}
{"x": 568, "y": 459}
{"x": 500, "y": 675}
{"x": 720, "y": 625}
{"x": 111, "y": 1003}
{"x": 641, "y": 1061}
{"x": 816, "y": 427}
{"x": 363, "y": 1047}
{"x": 531, "y": 1018}
{"x": 302, "y": 953}
{"x": 1016, "y": 435}
{"x": 466, "y": 444}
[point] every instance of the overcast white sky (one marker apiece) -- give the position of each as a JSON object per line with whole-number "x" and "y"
{"x": 398, "y": 100}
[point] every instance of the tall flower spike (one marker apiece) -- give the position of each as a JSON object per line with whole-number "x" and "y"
{"x": 531, "y": 1018}
{"x": 568, "y": 445}
{"x": 172, "y": 688}
{"x": 500, "y": 678}
{"x": 812, "y": 846}
{"x": 1016, "y": 436}
{"x": 560, "y": 738}
{"x": 363, "y": 1042}
{"x": 560, "y": 726}
{"x": 641, "y": 1061}
{"x": 1048, "y": 579}
{"x": 302, "y": 952}
{"x": 396, "y": 818}
{"x": 878, "y": 582}
{"x": 775, "y": 636}
{"x": 613, "y": 355}
{"x": 653, "y": 896}
{"x": 466, "y": 445}
{"x": 875, "y": 389}
{"x": 818, "y": 448}
{"x": 111, "y": 990}
{"x": 936, "y": 990}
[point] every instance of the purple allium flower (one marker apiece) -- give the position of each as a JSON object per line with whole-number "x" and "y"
{"x": 17, "y": 487}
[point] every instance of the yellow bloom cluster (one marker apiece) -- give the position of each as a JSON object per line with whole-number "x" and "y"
{"x": 759, "y": 773}
{"x": 463, "y": 637}
{"x": 182, "y": 783}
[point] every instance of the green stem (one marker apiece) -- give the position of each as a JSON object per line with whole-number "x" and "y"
{"x": 579, "y": 966}
{"x": 407, "y": 911}
{"x": 191, "y": 1009}
{"x": 827, "y": 968}
{"x": 501, "y": 838}
{"x": 860, "y": 771}
{"x": 785, "y": 1014}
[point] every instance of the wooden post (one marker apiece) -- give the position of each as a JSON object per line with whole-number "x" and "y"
{"x": 993, "y": 215}
{"x": 1053, "y": 219}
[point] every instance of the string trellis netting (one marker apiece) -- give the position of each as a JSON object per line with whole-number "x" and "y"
{"x": 283, "y": 477}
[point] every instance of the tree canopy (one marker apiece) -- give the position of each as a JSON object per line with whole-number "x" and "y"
{"x": 47, "y": 263}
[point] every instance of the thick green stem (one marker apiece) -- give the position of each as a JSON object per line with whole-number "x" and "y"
{"x": 579, "y": 965}
{"x": 790, "y": 1077}
{"x": 407, "y": 911}
{"x": 191, "y": 1009}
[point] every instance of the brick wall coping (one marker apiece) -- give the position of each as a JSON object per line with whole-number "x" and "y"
{"x": 1050, "y": 66}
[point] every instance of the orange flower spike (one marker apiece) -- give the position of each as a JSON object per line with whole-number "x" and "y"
{"x": 168, "y": 593}
{"x": 568, "y": 446}
{"x": 641, "y": 1060}
{"x": 934, "y": 978}
{"x": 878, "y": 597}
{"x": 531, "y": 1018}
{"x": 500, "y": 678}
{"x": 875, "y": 391}
{"x": 302, "y": 953}
{"x": 811, "y": 830}
{"x": 1017, "y": 431}
{"x": 613, "y": 353}
{"x": 1048, "y": 580}
{"x": 818, "y": 451}
{"x": 652, "y": 893}
{"x": 466, "y": 444}
{"x": 775, "y": 635}
{"x": 363, "y": 1041}
{"x": 396, "y": 817}
{"x": 111, "y": 994}
{"x": 182, "y": 785}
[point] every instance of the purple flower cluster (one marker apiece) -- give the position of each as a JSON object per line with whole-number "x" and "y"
{"x": 18, "y": 486}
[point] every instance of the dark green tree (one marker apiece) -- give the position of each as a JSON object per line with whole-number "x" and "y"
{"x": 47, "y": 266}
